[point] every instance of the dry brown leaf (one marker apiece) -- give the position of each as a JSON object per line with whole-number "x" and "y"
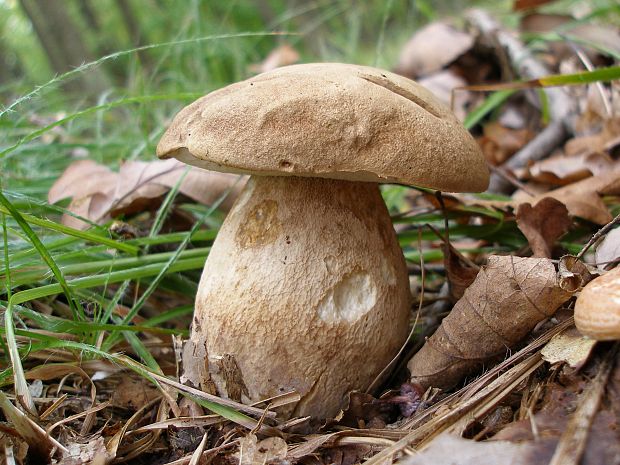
{"x": 81, "y": 179}
{"x": 543, "y": 224}
{"x": 602, "y": 141}
{"x": 508, "y": 298}
{"x": 608, "y": 251}
{"x": 569, "y": 346}
{"x": 582, "y": 198}
{"x": 573, "y": 274}
{"x": 99, "y": 194}
{"x": 499, "y": 142}
{"x": 562, "y": 169}
{"x": 459, "y": 273}
{"x": 255, "y": 452}
{"x": 431, "y": 48}
{"x": 283, "y": 55}
{"x": 134, "y": 393}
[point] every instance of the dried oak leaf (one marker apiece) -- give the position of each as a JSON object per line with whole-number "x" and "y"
{"x": 508, "y": 298}
{"x": 543, "y": 224}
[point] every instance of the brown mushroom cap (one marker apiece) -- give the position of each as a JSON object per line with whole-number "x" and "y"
{"x": 329, "y": 120}
{"x": 597, "y": 309}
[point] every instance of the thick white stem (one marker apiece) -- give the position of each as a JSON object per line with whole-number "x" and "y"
{"x": 305, "y": 289}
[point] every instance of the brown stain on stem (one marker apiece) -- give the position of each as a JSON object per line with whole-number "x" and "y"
{"x": 261, "y": 225}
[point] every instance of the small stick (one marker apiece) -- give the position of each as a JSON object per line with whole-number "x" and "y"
{"x": 601, "y": 232}
{"x": 560, "y": 105}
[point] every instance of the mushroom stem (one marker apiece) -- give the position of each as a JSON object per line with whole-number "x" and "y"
{"x": 305, "y": 289}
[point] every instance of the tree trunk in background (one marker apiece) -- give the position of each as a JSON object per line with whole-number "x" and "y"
{"x": 132, "y": 25}
{"x": 10, "y": 70}
{"x": 62, "y": 43}
{"x": 89, "y": 15}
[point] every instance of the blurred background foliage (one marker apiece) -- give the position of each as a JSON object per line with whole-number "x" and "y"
{"x": 101, "y": 78}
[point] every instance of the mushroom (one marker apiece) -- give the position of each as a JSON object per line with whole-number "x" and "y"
{"x": 305, "y": 287}
{"x": 597, "y": 309}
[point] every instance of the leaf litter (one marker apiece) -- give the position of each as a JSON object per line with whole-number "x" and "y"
{"x": 504, "y": 379}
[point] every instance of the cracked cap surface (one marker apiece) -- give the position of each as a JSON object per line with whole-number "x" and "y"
{"x": 329, "y": 120}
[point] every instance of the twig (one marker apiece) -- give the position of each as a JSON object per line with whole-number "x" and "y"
{"x": 537, "y": 149}
{"x": 529, "y": 67}
{"x": 598, "y": 234}
{"x": 573, "y": 441}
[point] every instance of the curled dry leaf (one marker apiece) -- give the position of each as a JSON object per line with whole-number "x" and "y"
{"x": 98, "y": 193}
{"x": 432, "y": 48}
{"x": 573, "y": 274}
{"x": 543, "y": 224}
{"x": 508, "y": 298}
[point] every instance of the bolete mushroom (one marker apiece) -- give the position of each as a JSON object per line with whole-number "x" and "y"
{"x": 597, "y": 309}
{"x": 305, "y": 287}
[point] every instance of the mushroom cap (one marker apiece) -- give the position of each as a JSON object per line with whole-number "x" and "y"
{"x": 329, "y": 120}
{"x": 597, "y": 309}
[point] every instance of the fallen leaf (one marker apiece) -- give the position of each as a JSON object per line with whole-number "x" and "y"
{"x": 453, "y": 450}
{"x": 582, "y": 198}
{"x": 283, "y": 55}
{"x": 565, "y": 169}
{"x": 81, "y": 179}
{"x": 255, "y": 452}
{"x": 608, "y": 251}
{"x": 602, "y": 141}
{"x": 499, "y": 143}
{"x": 134, "y": 393}
{"x": 432, "y": 48}
{"x": 569, "y": 347}
{"x": 460, "y": 274}
{"x": 543, "y": 224}
{"x": 508, "y": 298}
{"x": 98, "y": 194}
